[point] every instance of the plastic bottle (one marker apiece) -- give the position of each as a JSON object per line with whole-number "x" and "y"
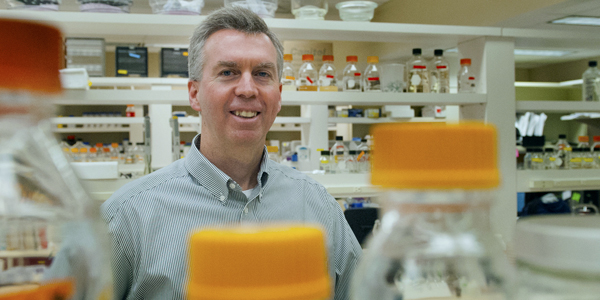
{"x": 324, "y": 162}
{"x": 303, "y": 159}
{"x": 584, "y": 141}
{"x": 47, "y": 216}
{"x": 353, "y": 144}
{"x": 363, "y": 161}
{"x": 435, "y": 240}
{"x": 75, "y": 156}
{"x": 308, "y": 75}
{"x": 418, "y": 75}
{"x": 440, "y": 73}
{"x": 591, "y": 82}
{"x": 83, "y": 154}
{"x": 93, "y": 155}
{"x": 466, "y": 78}
{"x": 130, "y": 111}
{"x": 352, "y": 76}
{"x": 339, "y": 154}
{"x": 562, "y": 151}
{"x": 288, "y": 76}
{"x": 114, "y": 152}
{"x": 328, "y": 75}
{"x": 371, "y": 78}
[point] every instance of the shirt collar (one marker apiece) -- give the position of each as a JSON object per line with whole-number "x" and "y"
{"x": 218, "y": 183}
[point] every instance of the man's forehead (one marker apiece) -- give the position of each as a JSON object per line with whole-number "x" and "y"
{"x": 226, "y": 47}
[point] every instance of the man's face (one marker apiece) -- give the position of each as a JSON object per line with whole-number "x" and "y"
{"x": 239, "y": 95}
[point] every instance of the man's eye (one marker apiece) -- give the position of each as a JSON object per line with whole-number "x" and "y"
{"x": 227, "y": 73}
{"x": 263, "y": 74}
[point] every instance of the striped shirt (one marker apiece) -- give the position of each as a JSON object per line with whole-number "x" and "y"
{"x": 150, "y": 220}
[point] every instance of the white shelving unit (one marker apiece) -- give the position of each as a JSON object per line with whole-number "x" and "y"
{"x": 558, "y": 106}
{"x": 491, "y": 50}
{"x": 558, "y": 180}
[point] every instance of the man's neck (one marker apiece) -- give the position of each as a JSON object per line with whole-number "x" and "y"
{"x": 240, "y": 163}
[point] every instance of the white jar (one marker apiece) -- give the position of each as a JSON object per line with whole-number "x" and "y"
{"x": 558, "y": 257}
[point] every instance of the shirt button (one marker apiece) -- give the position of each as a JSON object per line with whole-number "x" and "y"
{"x": 222, "y": 198}
{"x": 232, "y": 186}
{"x": 245, "y": 210}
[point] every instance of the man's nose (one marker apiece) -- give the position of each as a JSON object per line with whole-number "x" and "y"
{"x": 246, "y": 86}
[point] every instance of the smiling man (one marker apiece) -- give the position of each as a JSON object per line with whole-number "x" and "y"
{"x": 227, "y": 178}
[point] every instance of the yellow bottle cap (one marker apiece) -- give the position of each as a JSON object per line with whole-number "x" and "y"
{"x": 114, "y": 145}
{"x": 258, "y": 263}
{"x": 272, "y": 149}
{"x": 373, "y": 59}
{"x": 434, "y": 156}
{"x": 75, "y": 150}
{"x": 83, "y": 150}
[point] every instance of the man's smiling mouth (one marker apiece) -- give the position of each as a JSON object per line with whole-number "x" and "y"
{"x": 245, "y": 114}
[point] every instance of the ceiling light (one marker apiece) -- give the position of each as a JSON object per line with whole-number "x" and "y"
{"x": 541, "y": 52}
{"x": 577, "y": 20}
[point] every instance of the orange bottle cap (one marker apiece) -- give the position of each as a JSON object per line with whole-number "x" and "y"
{"x": 75, "y": 150}
{"x": 454, "y": 156}
{"x": 288, "y": 57}
{"x": 465, "y": 61}
{"x": 583, "y": 139}
{"x": 83, "y": 150}
{"x": 327, "y": 57}
{"x": 25, "y": 64}
{"x": 596, "y": 138}
{"x": 373, "y": 59}
{"x": 287, "y": 263}
{"x": 308, "y": 57}
{"x": 353, "y": 58}
{"x": 93, "y": 150}
{"x": 115, "y": 145}
{"x": 99, "y": 145}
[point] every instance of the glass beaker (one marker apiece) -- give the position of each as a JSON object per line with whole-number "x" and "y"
{"x": 309, "y": 9}
{"x": 392, "y": 78}
{"x": 263, "y": 8}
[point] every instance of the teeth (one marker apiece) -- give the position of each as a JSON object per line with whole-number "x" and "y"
{"x": 245, "y": 114}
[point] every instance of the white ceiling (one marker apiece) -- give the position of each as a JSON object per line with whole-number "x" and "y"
{"x": 539, "y": 19}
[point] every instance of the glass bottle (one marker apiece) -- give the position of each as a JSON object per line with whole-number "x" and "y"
{"x": 575, "y": 159}
{"x": 363, "y": 161}
{"x": 351, "y": 163}
{"x": 537, "y": 158}
{"x": 418, "y": 75}
{"x": 466, "y": 78}
{"x": 324, "y": 162}
{"x": 352, "y": 76}
{"x": 288, "y": 76}
{"x": 328, "y": 75}
{"x": 435, "y": 240}
{"x": 527, "y": 159}
{"x": 47, "y": 217}
{"x": 440, "y": 73}
{"x": 562, "y": 151}
{"x": 130, "y": 111}
{"x": 591, "y": 81}
{"x": 307, "y": 75}
{"x": 550, "y": 158}
{"x": 371, "y": 77}
{"x": 339, "y": 154}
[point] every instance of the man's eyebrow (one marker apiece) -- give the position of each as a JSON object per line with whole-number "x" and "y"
{"x": 226, "y": 64}
{"x": 267, "y": 65}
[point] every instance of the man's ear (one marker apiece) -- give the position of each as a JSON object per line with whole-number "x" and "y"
{"x": 193, "y": 90}
{"x": 280, "y": 88}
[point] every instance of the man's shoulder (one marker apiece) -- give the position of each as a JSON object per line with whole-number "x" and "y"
{"x": 137, "y": 189}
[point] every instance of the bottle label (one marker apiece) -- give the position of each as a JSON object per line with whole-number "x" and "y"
{"x": 328, "y": 88}
{"x": 290, "y": 77}
{"x": 130, "y": 114}
{"x": 575, "y": 160}
{"x": 373, "y": 78}
{"x": 357, "y": 74}
{"x": 362, "y": 153}
{"x": 471, "y": 78}
{"x": 330, "y": 76}
{"x": 308, "y": 88}
{"x": 419, "y": 67}
{"x": 537, "y": 160}
{"x": 309, "y": 80}
{"x": 415, "y": 79}
{"x": 588, "y": 159}
{"x": 440, "y": 67}
{"x": 552, "y": 159}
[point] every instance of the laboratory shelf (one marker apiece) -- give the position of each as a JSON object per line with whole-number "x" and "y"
{"x": 562, "y": 84}
{"x": 382, "y": 120}
{"x": 558, "y": 180}
{"x": 136, "y": 81}
{"x": 25, "y": 253}
{"x": 557, "y": 106}
{"x": 180, "y": 97}
{"x": 88, "y": 120}
{"x": 347, "y": 185}
{"x": 91, "y": 129}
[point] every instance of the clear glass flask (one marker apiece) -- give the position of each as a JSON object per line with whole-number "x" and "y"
{"x": 48, "y": 223}
{"x": 418, "y": 75}
{"x": 351, "y": 75}
{"x": 435, "y": 240}
{"x": 288, "y": 76}
{"x": 371, "y": 77}
{"x": 308, "y": 74}
{"x": 328, "y": 75}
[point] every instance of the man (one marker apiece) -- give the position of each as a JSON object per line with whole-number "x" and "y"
{"x": 235, "y": 67}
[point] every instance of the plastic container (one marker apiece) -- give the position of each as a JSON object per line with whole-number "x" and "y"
{"x": 287, "y": 263}
{"x": 361, "y": 11}
{"x": 263, "y": 8}
{"x": 434, "y": 241}
{"x": 558, "y": 258}
{"x": 466, "y": 78}
{"x": 309, "y": 9}
{"x": 51, "y": 5}
{"x": 49, "y": 225}
{"x": 177, "y": 7}
{"x": 105, "y": 6}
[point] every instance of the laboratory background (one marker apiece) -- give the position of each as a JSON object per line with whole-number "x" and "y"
{"x": 435, "y": 86}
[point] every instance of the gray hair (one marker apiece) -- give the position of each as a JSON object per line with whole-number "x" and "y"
{"x": 236, "y": 18}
